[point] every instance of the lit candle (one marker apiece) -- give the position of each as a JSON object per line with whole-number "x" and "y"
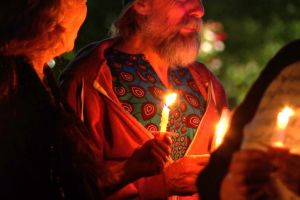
{"x": 169, "y": 100}
{"x": 282, "y": 122}
{"x": 221, "y": 129}
{"x": 278, "y": 151}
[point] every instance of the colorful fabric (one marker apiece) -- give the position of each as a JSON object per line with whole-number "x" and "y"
{"x": 141, "y": 93}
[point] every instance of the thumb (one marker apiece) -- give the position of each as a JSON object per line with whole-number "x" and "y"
{"x": 201, "y": 159}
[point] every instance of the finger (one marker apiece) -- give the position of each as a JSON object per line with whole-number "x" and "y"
{"x": 240, "y": 189}
{"x": 191, "y": 165}
{"x": 163, "y": 138}
{"x": 167, "y": 140}
{"x": 278, "y": 152}
{"x": 191, "y": 179}
{"x": 161, "y": 152}
{"x": 164, "y": 157}
{"x": 250, "y": 162}
{"x": 259, "y": 194}
{"x": 202, "y": 159}
{"x": 256, "y": 181}
{"x": 249, "y": 181}
{"x": 251, "y": 155}
{"x": 251, "y": 167}
{"x": 252, "y": 192}
{"x": 160, "y": 159}
{"x": 162, "y": 146}
{"x": 159, "y": 133}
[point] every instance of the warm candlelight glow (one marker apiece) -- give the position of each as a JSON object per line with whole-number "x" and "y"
{"x": 282, "y": 122}
{"x": 278, "y": 144}
{"x": 221, "y": 129}
{"x": 169, "y": 100}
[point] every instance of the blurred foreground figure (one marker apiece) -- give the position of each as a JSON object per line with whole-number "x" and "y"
{"x": 117, "y": 87}
{"x": 260, "y": 170}
{"x": 45, "y": 151}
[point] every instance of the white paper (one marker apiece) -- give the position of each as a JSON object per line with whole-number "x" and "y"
{"x": 283, "y": 91}
{"x": 258, "y": 134}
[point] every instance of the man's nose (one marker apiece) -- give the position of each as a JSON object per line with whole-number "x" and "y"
{"x": 196, "y": 9}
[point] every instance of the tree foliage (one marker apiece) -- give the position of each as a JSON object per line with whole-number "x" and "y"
{"x": 255, "y": 30}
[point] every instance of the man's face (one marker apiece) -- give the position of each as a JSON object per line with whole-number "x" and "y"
{"x": 173, "y": 27}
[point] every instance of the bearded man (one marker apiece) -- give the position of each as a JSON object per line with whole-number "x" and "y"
{"x": 117, "y": 86}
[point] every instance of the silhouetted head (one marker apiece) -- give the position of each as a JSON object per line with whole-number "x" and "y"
{"x": 43, "y": 28}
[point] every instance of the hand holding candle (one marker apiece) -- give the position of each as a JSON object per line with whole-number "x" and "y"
{"x": 150, "y": 158}
{"x": 278, "y": 153}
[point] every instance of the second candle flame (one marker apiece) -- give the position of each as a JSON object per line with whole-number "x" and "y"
{"x": 283, "y": 118}
{"x": 221, "y": 129}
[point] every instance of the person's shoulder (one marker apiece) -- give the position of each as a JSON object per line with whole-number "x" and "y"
{"x": 203, "y": 71}
{"x": 9, "y": 64}
{"x": 9, "y": 73}
{"x": 88, "y": 60}
{"x": 288, "y": 54}
{"x": 7, "y": 61}
{"x": 291, "y": 48}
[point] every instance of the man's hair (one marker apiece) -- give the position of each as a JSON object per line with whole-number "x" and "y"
{"x": 126, "y": 24}
{"x": 30, "y": 25}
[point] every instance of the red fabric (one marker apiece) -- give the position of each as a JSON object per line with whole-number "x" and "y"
{"x": 118, "y": 133}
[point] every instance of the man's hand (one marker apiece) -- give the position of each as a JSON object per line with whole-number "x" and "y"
{"x": 181, "y": 175}
{"x": 248, "y": 176}
{"x": 150, "y": 158}
{"x": 288, "y": 166}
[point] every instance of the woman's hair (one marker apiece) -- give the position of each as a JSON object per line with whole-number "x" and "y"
{"x": 29, "y": 26}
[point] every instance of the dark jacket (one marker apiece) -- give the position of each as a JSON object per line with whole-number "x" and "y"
{"x": 43, "y": 151}
{"x": 209, "y": 181}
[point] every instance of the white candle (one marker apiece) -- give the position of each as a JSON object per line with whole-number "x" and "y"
{"x": 169, "y": 100}
{"x": 282, "y": 122}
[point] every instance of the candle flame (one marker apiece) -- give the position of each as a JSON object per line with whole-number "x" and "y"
{"x": 283, "y": 117}
{"x": 278, "y": 144}
{"x": 170, "y": 99}
{"x": 221, "y": 128}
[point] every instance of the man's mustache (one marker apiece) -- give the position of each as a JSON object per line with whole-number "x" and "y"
{"x": 192, "y": 23}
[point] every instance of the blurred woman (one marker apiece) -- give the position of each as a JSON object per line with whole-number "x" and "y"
{"x": 45, "y": 152}
{"x": 233, "y": 173}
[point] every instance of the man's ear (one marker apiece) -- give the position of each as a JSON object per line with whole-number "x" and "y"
{"x": 142, "y": 7}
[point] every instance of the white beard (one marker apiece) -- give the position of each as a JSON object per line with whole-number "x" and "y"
{"x": 176, "y": 49}
{"x": 179, "y": 50}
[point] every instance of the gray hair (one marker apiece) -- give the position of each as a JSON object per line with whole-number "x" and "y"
{"x": 126, "y": 24}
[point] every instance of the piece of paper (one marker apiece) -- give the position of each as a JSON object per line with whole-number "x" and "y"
{"x": 283, "y": 91}
{"x": 259, "y": 133}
